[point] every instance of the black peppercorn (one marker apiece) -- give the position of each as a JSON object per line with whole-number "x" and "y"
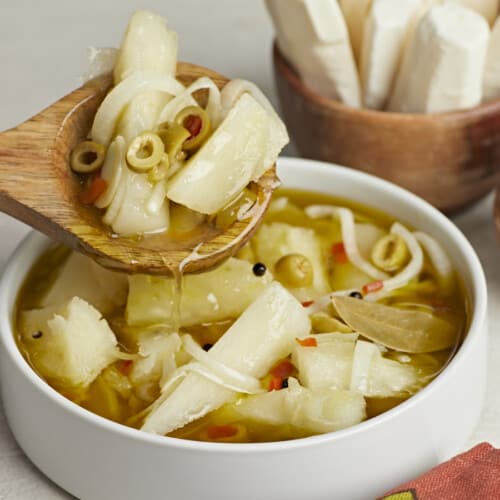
{"x": 37, "y": 335}
{"x": 207, "y": 347}
{"x": 355, "y": 295}
{"x": 259, "y": 269}
{"x": 284, "y": 384}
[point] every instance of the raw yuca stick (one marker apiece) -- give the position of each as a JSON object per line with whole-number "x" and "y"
{"x": 443, "y": 67}
{"x": 313, "y": 36}
{"x": 355, "y": 13}
{"x": 384, "y": 38}
{"x": 262, "y": 335}
{"x": 425, "y": 5}
{"x": 491, "y": 81}
{"x": 487, "y": 8}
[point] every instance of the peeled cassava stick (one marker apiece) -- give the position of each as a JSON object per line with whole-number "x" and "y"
{"x": 313, "y": 36}
{"x": 443, "y": 66}
{"x": 355, "y": 12}
{"x": 487, "y": 8}
{"x": 261, "y": 336}
{"x": 491, "y": 81}
{"x": 384, "y": 38}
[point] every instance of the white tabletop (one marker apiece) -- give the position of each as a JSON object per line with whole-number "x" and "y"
{"x": 42, "y": 55}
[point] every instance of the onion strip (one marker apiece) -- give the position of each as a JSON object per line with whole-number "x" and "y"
{"x": 217, "y": 372}
{"x": 348, "y": 227}
{"x": 117, "y": 99}
{"x": 112, "y": 171}
{"x": 185, "y": 99}
{"x": 436, "y": 254}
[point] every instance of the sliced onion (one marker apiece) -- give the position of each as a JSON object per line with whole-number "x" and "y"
{"x": 185, "y": 99}
{"x": 218, "y": 372}
{"x": 112, "y": 171}
{"x": 346, "y": 218}
{"x": 115, "y": 102}
{"x": 118, "y": 199}
{"x": 436, "y": 254}
{"x": 155, "y": 202}
{"x": 411, "y": 270}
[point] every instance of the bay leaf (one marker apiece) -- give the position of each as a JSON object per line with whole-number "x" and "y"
{"x": 404, "y": 330}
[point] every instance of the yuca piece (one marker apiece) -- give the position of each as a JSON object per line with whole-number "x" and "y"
{"x": 148, "y": 46}
{"x": 260, "y": 337}
{"x": 313, "y": 36}
{"x": 384, "y": 38}
{"x": 491, "y": 81}
{"x": 487, "y": 8}
{"x": 443, "y": 66}
{"x": 218, "y": 173}
{"x": 355, "y": 13}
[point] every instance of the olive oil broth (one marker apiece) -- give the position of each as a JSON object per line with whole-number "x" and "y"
{"x": 111, "y": 395}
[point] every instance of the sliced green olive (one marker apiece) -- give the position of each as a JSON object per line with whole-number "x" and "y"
{"x": 294, "y": 270}
{"x": 87, "y": 157}
{"x": 390, "y": 253}
{"x": 159, "y": 172}
{"x": 173, "y": 136}
{"x": 196, "y": 121}
{"x": 145, "y": 151}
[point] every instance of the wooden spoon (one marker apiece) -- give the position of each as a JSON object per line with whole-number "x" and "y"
{"x": 38, "y": 188}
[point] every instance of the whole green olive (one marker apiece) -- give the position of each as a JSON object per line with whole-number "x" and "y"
{"x": 294, "y": 270}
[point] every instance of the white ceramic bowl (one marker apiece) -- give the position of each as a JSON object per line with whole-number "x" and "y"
{"x": 95, "y": 459}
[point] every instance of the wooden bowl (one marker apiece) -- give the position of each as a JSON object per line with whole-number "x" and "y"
{"x": 450, "y": 159}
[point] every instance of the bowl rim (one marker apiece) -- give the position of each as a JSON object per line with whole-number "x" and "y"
{"x": 477, "y": 323}
{"x": 286, "y": 70}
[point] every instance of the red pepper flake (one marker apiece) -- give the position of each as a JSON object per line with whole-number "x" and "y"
{"x": 308, "y": 342}
{"x": 125, "y": 366}
{"x": 339, "y": 253}
{"x": 221, "y": 431}
{"x": 374, "y": 286}
{"x": 283, "y": 369}
{"x": 307, "y": 303}
{"x": 93, "y": 191}
{"x": 275, "y": 384}
{"x": 193, "y": 124}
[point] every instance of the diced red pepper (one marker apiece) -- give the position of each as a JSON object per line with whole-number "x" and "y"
{"x": 339, "y": 253}
{"x": 221, "y": 431}
{"x": 275, "y": 384}
{"x": 308, "y": 342}
{"x": 125, "y": 366}
{"x": 283, "y": 369}
{"x": 374, "y": 286}
{"x": 308, "y": 303}
{"x": 93, "y": 191}
{"x": 193, "y": 124}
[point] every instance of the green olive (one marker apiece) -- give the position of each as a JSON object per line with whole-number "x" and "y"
{"x": 294, "y": 270}
{"x": 87, "y": 157}
{"x": 145, "y": 151}
{"x": 159, "y": 172}
{"x": 390, "y": 253}
{"x": 196, "y": 120}
{"x": 173, "y": 136}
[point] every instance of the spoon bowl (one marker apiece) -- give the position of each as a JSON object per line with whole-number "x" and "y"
{"x": 38, "y": 187}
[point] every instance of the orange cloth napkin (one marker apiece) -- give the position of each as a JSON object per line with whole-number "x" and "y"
{"x": 469, "y": 476}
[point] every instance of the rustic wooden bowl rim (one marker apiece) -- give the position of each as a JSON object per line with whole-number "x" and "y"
{"x": 287, "y": 71}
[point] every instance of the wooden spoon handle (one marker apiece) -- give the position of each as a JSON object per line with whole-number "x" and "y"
{"x": 34, "y": 155}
